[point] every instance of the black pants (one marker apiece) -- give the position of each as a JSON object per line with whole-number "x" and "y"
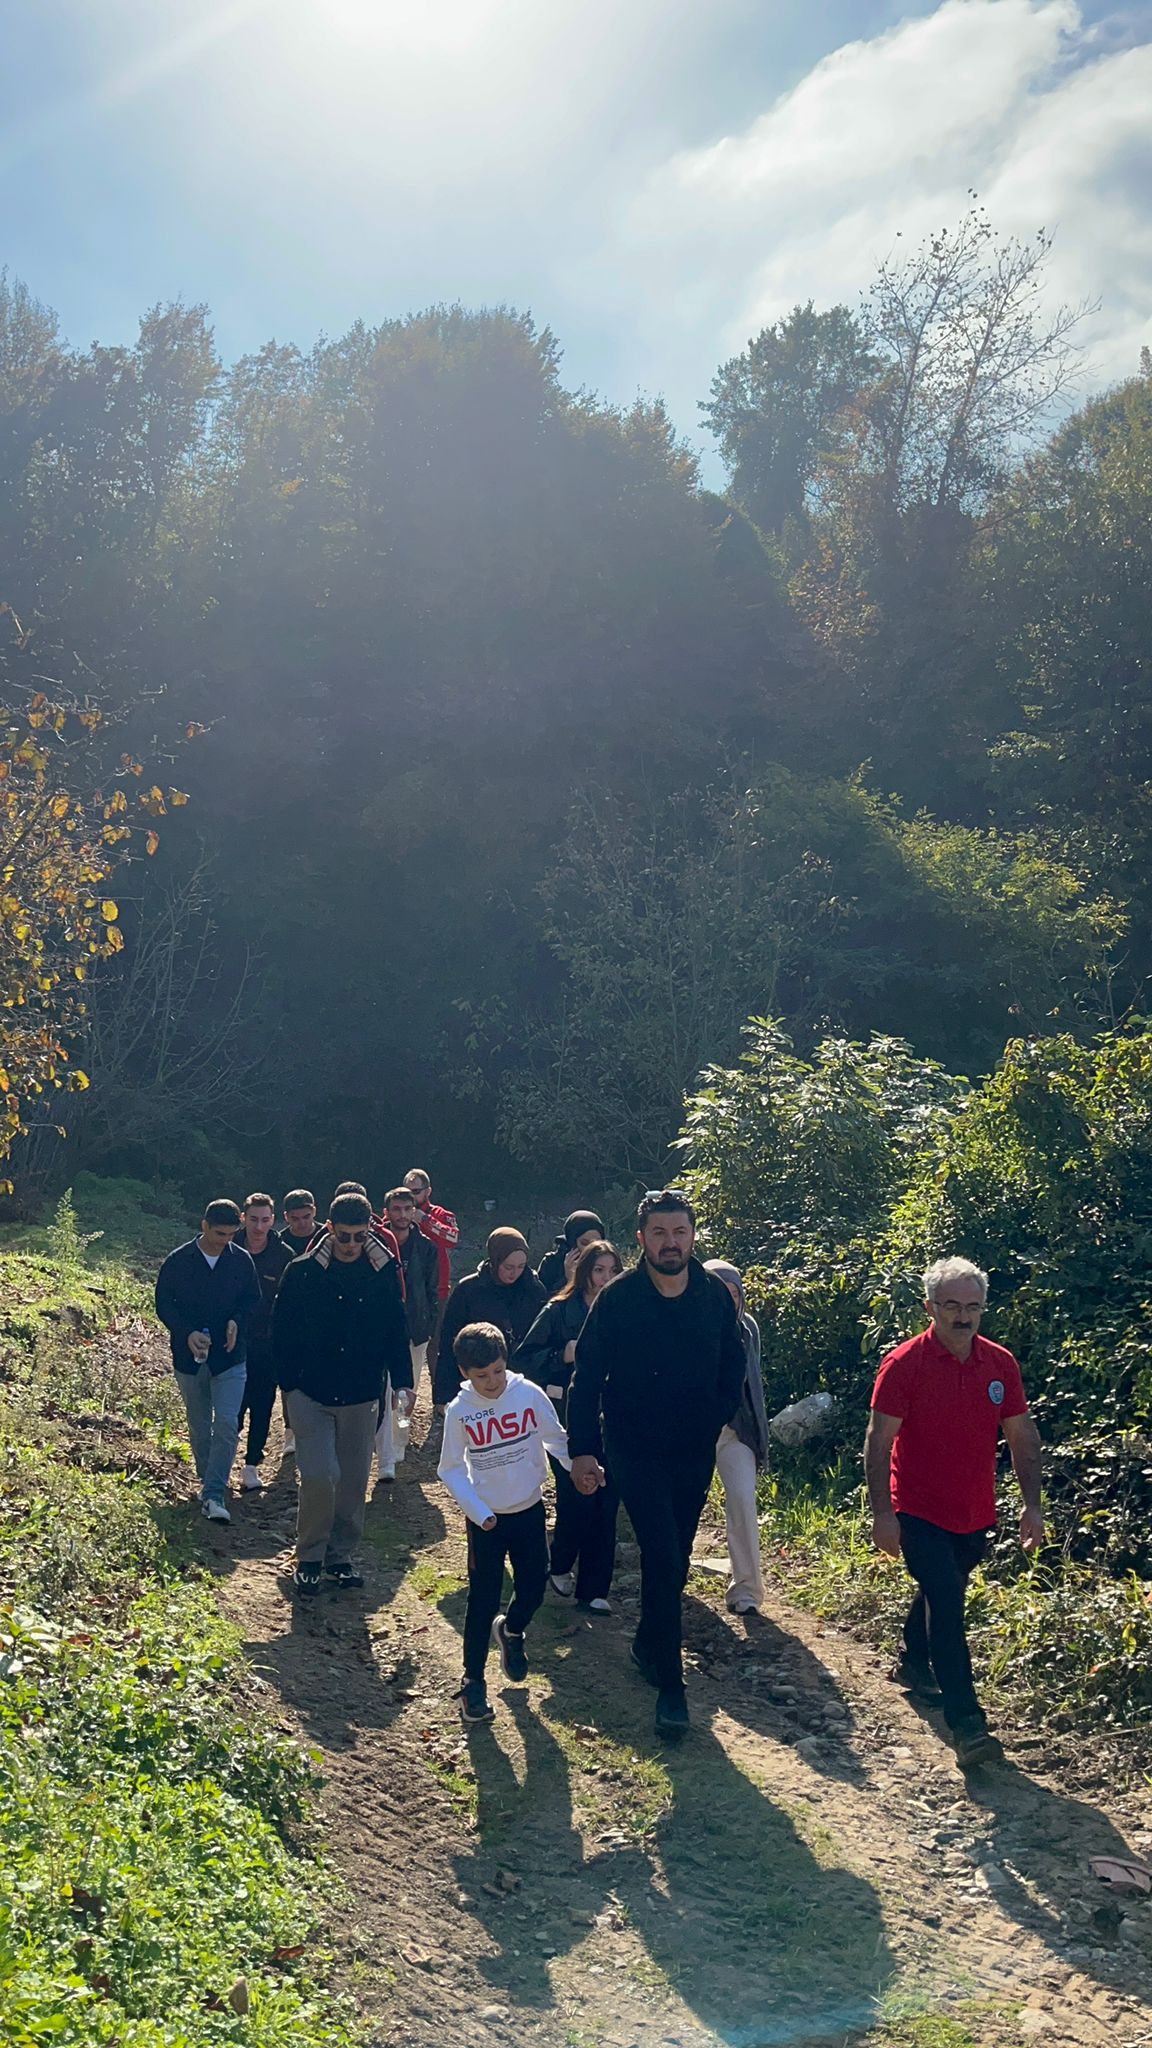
{"x": 941, "y": 1564}
{"x": 523, "y": 1540}
{"x": 259, "y": 1401}
{"x": 585, "y": 1534}
{"x": 665, "y": 1499}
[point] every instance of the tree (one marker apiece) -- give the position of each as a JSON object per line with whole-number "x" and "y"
{"x": 785, "y": 412}
{"x": 66, "y": 827}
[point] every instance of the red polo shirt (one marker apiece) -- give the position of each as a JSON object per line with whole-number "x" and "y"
{"x": 944, "y": 1459}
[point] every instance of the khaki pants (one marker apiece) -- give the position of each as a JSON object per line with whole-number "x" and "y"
{"x": 736, "y": 1464}
{"x": 333, "y": 1460}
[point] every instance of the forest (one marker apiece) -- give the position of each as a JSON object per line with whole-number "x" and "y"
{"x": 410, "y": 755}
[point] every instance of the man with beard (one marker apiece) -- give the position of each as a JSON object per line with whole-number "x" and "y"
{"x": 659, "y": 1372}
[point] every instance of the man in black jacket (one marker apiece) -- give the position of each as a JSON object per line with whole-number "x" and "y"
{"x": 206, "y": 1291}
{"x": 338, "y": 1333}
{"x": 659, "y": 1371}
{"x": 271, "y": 1258}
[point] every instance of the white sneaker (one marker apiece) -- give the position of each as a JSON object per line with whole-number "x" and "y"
{"x": 599, "y": 1607}
{"x": 215, "y": 1511}
{"x": 289, "y": 1444}
{"x": 386, "y": 1475}
{"x": 563, "y": 1583}
{"x": 251, "y": 1480}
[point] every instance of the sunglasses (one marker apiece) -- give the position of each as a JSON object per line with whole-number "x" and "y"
{"x": 351, "y": 1237}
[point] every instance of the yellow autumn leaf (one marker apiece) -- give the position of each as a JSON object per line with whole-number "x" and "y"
{"x": 78, "y": 1081}
{"x": 60, "y": 806}
{"x": 109, "y": 911}
{"x": 152, "y": 842}
{"x": 178, "y": 798}
{"x": 114, "y": 940}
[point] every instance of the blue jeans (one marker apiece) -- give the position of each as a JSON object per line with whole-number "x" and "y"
{"x": 212, "y": 1402}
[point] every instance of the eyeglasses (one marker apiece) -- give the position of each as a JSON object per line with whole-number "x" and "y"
{"x": 351, "y": 1237}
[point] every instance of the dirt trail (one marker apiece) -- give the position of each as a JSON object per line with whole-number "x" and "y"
{"x": 809, "y": 1868}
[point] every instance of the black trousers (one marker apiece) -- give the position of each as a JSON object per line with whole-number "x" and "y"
{"x": 259, "y": 1401}
{"x": 941, "y": 1564}
{"x": 584, "y": 1535}
{"x": 523, "y": 1540}
{"x": 665, "y": 1499}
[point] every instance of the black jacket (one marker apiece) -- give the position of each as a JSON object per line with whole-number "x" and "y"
{"x": 338, "y": 1329}
{"x": 541, "y": 1355}
{"x": 421, "y": 1263}
{"x": 296, "y": 1245}
{"x": 663, "y": 1373}
{"x": 192, "y": 1295}
{"x": 550, "y": 1272}
{"x": 271, "y": 1265}
{"x": 482, "y": 1298}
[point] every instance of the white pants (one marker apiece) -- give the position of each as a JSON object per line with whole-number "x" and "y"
{"x": 392, "y": 1443}
{"x": 736, "y": 1464}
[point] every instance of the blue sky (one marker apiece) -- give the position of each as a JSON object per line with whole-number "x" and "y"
{"x": 655, "y": 179}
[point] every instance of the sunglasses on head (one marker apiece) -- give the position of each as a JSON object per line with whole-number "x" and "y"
{"x": 351, "y": 1237}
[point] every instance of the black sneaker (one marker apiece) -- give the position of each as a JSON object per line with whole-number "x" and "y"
{"x": 917, "y": 1679}
{"x": 474, "y": 1702}
{"x": 644, "y": 1666}
{"x": 974, "y": 1744}
{"x": 672, "y": 1712}
{"x": 513, "y": 1655}
{"x": 307, "y": 1578}
{"x": 344, "y": 1574}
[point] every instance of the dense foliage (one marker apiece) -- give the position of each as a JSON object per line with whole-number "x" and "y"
{"x": 559, "y": 764}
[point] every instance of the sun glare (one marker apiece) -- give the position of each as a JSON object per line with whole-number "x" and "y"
{"x": 412, "y": 24}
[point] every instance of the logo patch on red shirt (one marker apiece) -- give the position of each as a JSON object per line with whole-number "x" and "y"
{"x": 996, "y": 1391}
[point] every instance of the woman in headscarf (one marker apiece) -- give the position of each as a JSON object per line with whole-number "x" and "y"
{"x": 742, "y": 1453}
{"x": 501, "y": 1291}
{"x": 584, "y": 1539}
{"x": 582, "y": 1227}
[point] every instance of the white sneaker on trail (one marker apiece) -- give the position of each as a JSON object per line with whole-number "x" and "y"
{"x": 599, "y": 1607}
{"x": 386, "y": 1475}
{"x": 215, "y": 1511}
{"x": 563, "y": 1583}
{"x": 289, "y": 1444}
{"x": 251, "y": 1480}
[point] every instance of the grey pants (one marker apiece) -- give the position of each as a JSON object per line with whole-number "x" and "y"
{"x": 333, "y": 1461}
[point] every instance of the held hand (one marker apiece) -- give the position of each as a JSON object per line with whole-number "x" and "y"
{"x": 886, "y": 1532}
{"x": 230, "y": 1336}
{"x": 490, "y": 1523}
{"x": 199, "y": 1345}
{"x": 554, "y": 1393}
{"x": 1031, "y": 1529}
{"x": 587, "y": 1474}
{"x": 570, "y": 1353}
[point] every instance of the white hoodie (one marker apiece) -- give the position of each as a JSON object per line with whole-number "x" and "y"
{"x": 493, "y": 1456}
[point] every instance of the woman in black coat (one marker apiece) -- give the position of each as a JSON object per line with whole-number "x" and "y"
{"x": 584, "y": 1539}
{"x": 501, "y": 1291}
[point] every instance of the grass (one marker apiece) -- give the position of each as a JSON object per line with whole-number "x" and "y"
{"x": 158, "y": 1882}
{"x": 636, "y": 1788}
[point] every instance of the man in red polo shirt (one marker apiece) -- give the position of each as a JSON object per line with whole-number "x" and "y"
{"x": 938, "y": 1406}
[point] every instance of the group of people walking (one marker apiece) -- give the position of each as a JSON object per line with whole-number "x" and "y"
{"x": 627, "y": 1386}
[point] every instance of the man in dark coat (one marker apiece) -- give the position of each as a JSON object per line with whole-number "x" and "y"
{"x": 659, "y": 1372}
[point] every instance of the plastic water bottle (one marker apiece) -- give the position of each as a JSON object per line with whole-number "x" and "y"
{"x": 802, "y": 1420}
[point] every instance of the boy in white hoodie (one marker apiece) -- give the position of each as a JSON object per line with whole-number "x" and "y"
{"x": 497, "y": 1434}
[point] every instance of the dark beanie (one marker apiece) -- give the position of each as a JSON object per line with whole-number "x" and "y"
{"x": 578, "y": 1222}
{"x": 503, "y": 1242}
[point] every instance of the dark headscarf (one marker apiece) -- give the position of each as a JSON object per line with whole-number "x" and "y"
{"x": 577, "y": 1223}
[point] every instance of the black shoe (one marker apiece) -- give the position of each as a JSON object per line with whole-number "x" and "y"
{"x": 307, "y": 1578}
{"x": 474, "y": 1702}
{"x": 644, "y": 1666}
{"x": 513, "y": 1655}
{"x": 919, "y": 1680}
{"x": 672, "y": 1711}
{"x": 974, "y": 1744}
{"x": 344, "y": 1574}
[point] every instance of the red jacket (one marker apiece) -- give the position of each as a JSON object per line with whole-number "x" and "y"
{"x": 441, "y": 1226}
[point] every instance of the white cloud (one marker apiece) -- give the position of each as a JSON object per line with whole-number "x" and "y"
{"x": 885, "y": 137}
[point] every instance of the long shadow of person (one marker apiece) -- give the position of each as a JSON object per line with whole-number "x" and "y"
{"x": 774, "y": 1685}
{"x": 527, "y": 1877}
{"x": 327, "y": 1666}
{"x": 757, "y": 1932}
